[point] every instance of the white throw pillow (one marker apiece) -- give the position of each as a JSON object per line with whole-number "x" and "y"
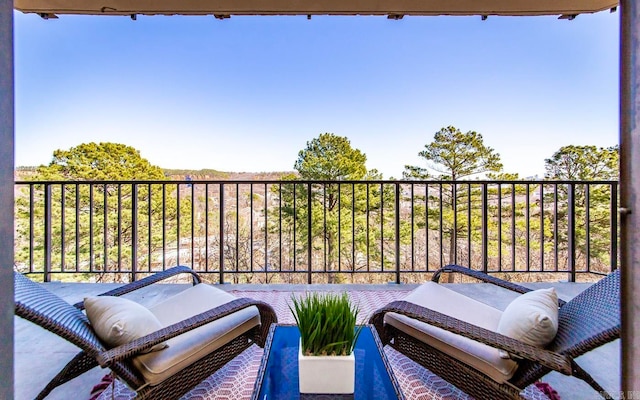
{"x": 531, "y": 318}
{"x": 117, "y": 320}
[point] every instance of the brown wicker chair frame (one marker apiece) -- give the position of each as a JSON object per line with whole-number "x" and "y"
{"x": 36, "y": 304}
{"x": 589, "y": 320}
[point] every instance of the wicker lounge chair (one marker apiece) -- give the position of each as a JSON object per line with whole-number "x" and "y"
{"x": 36, "y": 304}
{"x": 589, "y": 320}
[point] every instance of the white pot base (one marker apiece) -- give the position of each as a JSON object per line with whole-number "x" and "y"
{"x": 326, "y": 374}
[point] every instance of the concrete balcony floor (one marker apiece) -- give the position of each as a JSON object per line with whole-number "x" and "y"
{"x": 39, "y": 355}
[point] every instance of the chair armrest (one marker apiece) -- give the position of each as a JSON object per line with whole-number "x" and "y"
{"x": 480, "y": 276}
{"x": 554, "y": 361}
{"x": 135, "y": 347}
{"x": 156, "y": 277}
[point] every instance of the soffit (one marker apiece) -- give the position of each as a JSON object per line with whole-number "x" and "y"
{"x": 393, "y": 9}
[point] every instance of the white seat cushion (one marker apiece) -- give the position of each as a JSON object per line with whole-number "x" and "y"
{"x": 439, "y": 298}
{"x": 189, "y": 347}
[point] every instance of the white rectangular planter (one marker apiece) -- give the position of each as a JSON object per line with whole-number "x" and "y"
{"x": 326, "y": 374}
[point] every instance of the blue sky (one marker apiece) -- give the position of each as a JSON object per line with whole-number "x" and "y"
{"x": 247, "y": 93}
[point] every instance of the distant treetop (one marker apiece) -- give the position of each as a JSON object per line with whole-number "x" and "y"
{"x": 583, "y": 163}
{"x": 454, "y": 155}
{"x": 99, "y": 161}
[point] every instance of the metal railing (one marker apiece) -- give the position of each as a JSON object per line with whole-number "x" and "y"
{"x": 315, "y": 231}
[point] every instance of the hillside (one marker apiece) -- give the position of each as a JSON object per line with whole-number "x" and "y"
{"x": 210, "y": 174}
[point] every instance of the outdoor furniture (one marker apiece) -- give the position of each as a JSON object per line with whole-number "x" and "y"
{"x": 226, "y": 327}
{"x": 278, "y": 373}
{"x": 469, "y": 356}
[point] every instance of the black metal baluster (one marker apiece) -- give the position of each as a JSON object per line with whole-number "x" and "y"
{"x": 119, "y": 203}
{"x": 397, "y": 231}
{"x": 178, "y": 241}
{"x": 309, "y": 237}
{"x": 221, "y": 235}
{"x": 47, "y": 233}
{"x": 63, "y": 244}
{"x": 485, "y": 228}
{"x": 206, "y": 227}
{"x": 571, "y": 232}
{"x": 542, "y": 237}
{"x": 527, "y": 227}
{"x": 134, "y": 231}
{"x": 500, "y": 227}
{"x": 77, "y": 227}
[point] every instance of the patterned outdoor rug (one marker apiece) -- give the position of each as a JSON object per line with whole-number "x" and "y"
{"x": 236, "y": 379}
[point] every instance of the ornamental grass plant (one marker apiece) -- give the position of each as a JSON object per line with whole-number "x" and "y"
{"x": 327, "y": 323}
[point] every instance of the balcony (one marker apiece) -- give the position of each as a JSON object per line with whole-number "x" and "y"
{"x": 375, "y": 239}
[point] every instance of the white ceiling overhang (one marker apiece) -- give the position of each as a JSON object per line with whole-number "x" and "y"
{"x": 393, "y": 9}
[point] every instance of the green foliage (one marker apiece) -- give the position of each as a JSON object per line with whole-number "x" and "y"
{"x": 455, "y": 155}
{"x": 502, "y": 176}
{"x": 583, "y": 163}
{"x": 99, "y": 161}
{"x": 108, "y": 243}
{"x": 330, "y": 157}
{"x": 327, "y": 323}
{"x": 345, "y": 218}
